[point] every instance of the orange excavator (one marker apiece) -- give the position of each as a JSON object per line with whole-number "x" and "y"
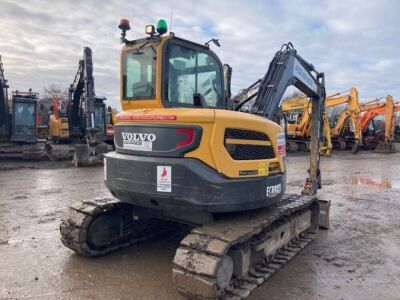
{"x": 382, "y": 139}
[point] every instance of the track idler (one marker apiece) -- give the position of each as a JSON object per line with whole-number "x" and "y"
{"x": 103, "y": 225}
{"x": 86, "y": 156}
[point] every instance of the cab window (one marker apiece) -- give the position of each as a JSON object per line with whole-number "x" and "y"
{"x": 191, "y": 73}
{"x": 139, "y": 73}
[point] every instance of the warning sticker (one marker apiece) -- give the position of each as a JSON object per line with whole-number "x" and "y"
{"x": 164, "y": 179}
{"x": 281, "y": 142}
{"x": 263, "y": 169}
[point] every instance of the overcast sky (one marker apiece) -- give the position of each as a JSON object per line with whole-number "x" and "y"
{"x": 356, "y": 43}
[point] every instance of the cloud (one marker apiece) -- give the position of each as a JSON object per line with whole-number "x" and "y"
{"x": 354, "y": 42}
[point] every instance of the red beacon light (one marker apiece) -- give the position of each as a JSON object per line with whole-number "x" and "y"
{"x": 124, "y": 25}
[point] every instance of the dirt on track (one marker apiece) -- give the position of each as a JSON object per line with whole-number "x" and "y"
{"x": 358, "y": 258}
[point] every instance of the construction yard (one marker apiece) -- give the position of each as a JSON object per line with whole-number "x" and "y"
{"x": 357, "y": 258}
{"x": 204, "y": 150}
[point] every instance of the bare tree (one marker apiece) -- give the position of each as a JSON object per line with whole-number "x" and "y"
{"x": 294, "y": 94}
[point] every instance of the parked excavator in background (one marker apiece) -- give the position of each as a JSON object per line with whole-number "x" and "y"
{"x": 346, "y": 132}
{"x": 42, "y": 122}
{"x": 82, "y": 120}
{"x": 382, "y": 141}
{"x": 58, "y": 121}
{"x": 18, "y": 123}
{"x": 87, "y": 115}
{"x": 111, "y": 119}
{"x": 183, "y": 156}
{"x": 297, "y": 112}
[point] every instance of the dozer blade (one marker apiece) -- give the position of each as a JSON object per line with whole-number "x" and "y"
{"x": 385, "y": 147}
{"x": 86, "y": 156}
{"x": 228, "y": 259}
{"x": 355, "y": 148}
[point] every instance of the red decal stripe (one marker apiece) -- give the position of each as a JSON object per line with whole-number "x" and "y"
{"x": 146, "y": 117}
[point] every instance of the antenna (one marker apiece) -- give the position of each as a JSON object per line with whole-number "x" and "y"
{"x": 170, "y": 21}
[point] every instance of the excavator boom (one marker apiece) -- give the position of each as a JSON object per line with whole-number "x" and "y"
{"x": 87, "y": 115}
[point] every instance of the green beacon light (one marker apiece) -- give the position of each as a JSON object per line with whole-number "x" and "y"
{"x": 162, "y": 26}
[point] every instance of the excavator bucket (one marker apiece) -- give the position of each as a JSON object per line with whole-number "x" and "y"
{"x": 86, "y": 156}
{"x": 355, "y": 148}
{"x": 385, "y": 147}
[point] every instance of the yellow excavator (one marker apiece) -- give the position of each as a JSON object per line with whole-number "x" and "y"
{"x": 346, "y": 133}
{"x": 337, "y": 136}
{"x": 297, "y": 113}
{"x": 58, "y": 122}
{"x": 181, "y": 155}
{"x": 81, "y": 122}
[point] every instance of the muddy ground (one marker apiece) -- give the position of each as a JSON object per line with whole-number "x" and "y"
{"x": 358, "y": 258}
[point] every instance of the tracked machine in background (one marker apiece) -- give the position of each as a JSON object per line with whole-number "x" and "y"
{"x": 86, "y": 115}
{"x": 297, "y": 117}
{"x": 58, "y": 122}
{"x": 346, "y": 132}
{"x": 382, "y": 141}
{"x": 18, "y": 123}
{"x": 111, "y": 119}
{"x": 297, "y": 112}
{"x": 83, "y": 123}
{"x": 183, "y": 157}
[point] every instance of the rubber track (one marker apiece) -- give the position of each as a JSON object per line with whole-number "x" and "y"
{"x": 201, "y": 252}
{"x": 74, "y": 229}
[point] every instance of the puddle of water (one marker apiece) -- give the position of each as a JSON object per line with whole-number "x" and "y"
{"x": 383, "y": 183}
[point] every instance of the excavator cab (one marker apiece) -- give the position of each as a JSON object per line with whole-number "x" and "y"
{"x": 24, "y": 117}
{"x": 191, "y": 76}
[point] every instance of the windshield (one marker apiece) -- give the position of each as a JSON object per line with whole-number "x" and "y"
{"x": 191, "y": 73}
{"x": 139, "y": 71}
{"x": 25, "y": 118}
